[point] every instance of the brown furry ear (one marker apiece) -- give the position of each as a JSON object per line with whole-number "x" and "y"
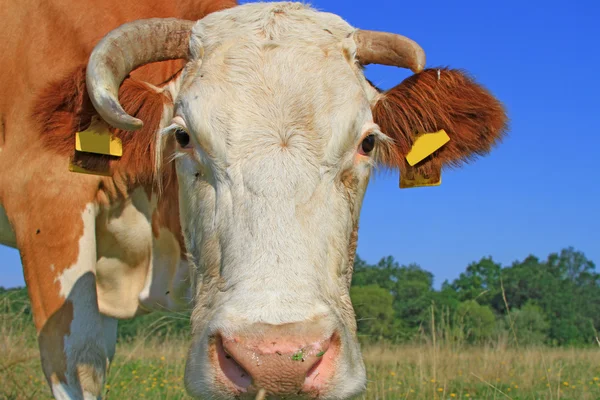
{"x": 65, "y": 108}
{"x": 438, "y": 99}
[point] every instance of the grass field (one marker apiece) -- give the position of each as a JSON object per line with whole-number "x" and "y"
{"x": 150, "y": 369}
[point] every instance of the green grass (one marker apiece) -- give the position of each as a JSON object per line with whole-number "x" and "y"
{"x": 153, "y": 368}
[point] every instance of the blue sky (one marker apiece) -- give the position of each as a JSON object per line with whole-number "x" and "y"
{"x": 538, "y": 192}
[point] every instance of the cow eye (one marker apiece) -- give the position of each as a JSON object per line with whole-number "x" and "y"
{"x": 182, "y": 137}
{"x": 368, "y": 144}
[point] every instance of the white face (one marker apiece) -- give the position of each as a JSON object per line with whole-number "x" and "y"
{"x": 271, "y": 186}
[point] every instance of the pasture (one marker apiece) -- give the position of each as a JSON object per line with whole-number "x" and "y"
{"x": 151, "y": 367}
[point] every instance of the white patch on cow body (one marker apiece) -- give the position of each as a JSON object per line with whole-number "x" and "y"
{"x": 124, "y": 254}
{"x": 135, "y": 270}
{"x": 85, "y": 347}
{"x": 86, "y": 258}
{"x": 7, "y": 234}
{"x": 61, "y": 391}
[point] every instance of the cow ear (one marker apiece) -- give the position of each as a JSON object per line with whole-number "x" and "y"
{"x": 434, "y": 100}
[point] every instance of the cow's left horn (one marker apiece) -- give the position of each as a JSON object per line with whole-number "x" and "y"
{"x": 388, "y": 49}
{"x": 124, "y": 49}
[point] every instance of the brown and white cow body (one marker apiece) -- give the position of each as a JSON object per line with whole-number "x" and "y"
{"x": 94, "y": 248}
{"x": 245, "y": 181}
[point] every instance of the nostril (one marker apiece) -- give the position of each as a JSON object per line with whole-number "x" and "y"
{"x": 230, "y": 367}
{"x": 313, "y": 369}
{"x": 323, "y": 370}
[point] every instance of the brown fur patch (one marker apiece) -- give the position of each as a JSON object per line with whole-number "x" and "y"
{"x": 473, "y": 118}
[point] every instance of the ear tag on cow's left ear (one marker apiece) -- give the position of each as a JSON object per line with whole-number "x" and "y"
{"x": 410, "y": 179}
{"x": 97, "y": 139}
{"x": 424, "y": 146}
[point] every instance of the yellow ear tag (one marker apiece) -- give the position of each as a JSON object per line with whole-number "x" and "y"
{"x": 425, "y": 145}
{"x": 409, "y": 179}
{"x": 97, "y": 139}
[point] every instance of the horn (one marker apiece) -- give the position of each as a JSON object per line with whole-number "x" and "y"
{"x": 388, "y": 49}
{"x": 124, "y": 49}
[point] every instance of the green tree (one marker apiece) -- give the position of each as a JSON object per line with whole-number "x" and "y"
{"x": 530, "y": 324}
{"x": 410, "y": 287}
{"x": 374, "y": 312}
{"x": 476, "y": 321}
{"x": 480, "y": 281}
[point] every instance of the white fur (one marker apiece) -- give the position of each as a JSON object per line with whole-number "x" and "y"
{"x": 84, "y": 345}
{"x": 275, "y": 111}
{"x": 86, "y": 258}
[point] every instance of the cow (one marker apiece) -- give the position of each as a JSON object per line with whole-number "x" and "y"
{"x": 248, "y": 136}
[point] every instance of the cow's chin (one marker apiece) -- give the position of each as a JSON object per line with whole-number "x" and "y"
{"x": 329, "y": 366}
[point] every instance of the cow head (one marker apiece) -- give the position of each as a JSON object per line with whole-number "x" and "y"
{"x": 278, "y": 131}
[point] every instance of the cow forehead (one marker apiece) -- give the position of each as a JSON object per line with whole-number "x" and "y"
{"x": 283, "y": 21}
{"x": 293, "y": 87}
{"x": 276, "y": 94}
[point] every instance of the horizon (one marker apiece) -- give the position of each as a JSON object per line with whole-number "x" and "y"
{"x": 436, "y": 285}
{"x": 533, "y": 57}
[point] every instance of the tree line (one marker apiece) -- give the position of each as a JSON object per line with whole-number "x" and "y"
{"x": 553, "y": 302}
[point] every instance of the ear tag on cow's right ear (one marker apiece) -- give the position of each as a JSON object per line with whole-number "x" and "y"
{"x": 424, "y": 146}
{"x": 97, "y": 139}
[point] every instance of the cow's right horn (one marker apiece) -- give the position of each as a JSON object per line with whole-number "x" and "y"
{"x": 124, "y": 49}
